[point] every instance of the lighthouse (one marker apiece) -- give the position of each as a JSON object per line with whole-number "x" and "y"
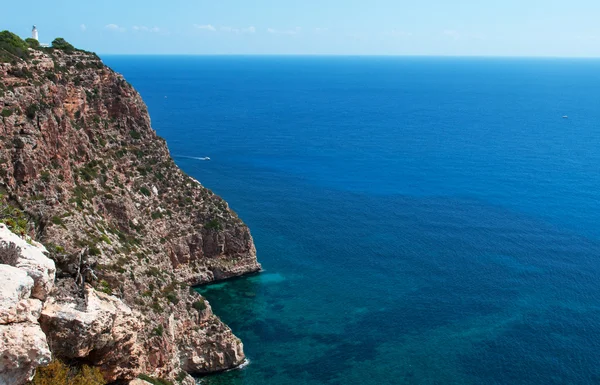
{"x": 34, "y": 33}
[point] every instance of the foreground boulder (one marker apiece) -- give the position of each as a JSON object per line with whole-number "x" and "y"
{"x": 33, "y": 260}
{"x": 15, "y": 292}
{"x": 23, "y": 344}
{"x": 24, "y": 348}
{"x": 99, "y": 328}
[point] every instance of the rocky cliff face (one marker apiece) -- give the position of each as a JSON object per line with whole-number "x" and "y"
{"x": 128, "y": 230}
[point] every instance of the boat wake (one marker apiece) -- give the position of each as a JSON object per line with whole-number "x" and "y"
{"x": 193, "y": 157}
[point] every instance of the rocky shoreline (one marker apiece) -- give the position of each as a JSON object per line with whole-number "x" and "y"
{"x": 125, "y": 232}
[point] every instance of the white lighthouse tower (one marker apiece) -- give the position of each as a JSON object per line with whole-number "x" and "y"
{"x": 34, "y": 33}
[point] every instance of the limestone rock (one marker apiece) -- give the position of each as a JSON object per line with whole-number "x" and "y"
{"x": 14, "y": 295}
{"x": 33, "y": 260}
{"x": 137, "y": 381}
{"x": 101, "y": 329}
{"x": 24, "y": 347}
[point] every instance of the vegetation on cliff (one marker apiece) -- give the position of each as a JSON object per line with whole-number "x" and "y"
{"x": 62, "y": 44}
{"x": 83, "y": 172}
{"x": 13, "y": 217}
{"x": 12, "y": 47}
{"x": 58, "y": 373}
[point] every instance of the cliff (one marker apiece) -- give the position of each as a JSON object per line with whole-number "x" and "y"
{"x": 129, "y": 232}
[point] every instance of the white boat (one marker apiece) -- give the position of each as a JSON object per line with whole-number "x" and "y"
{"x": 565, "y": 117}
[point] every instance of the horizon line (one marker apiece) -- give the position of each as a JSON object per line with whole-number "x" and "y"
{"x": 355, "y": 55}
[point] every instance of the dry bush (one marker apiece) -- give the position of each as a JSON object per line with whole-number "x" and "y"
{"x": 9, "y": 253}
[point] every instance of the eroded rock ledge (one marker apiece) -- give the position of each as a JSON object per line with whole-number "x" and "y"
{"x": 129, "y": 232}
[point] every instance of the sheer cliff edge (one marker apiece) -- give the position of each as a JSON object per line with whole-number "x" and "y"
{"x": 83, "y": 172}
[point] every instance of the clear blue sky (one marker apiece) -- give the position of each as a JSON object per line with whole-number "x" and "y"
{"x": 357, "y": 27}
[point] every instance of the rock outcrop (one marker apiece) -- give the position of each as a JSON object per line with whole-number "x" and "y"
{"x": 33, "y": 261}
{"x": 23, "y": 344}
{"x": 99, "y": 328}
{"x": 128, "y": 230}
{"x": 15, "y": 292}
{"x": 24, "y": 348}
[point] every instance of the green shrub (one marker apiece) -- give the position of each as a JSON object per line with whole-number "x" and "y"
{"x": 57, "y": 220}
{"x": 199, "y": 305}
{"x": 144, "y": 190}
{"x": 158, "y": 331}
{"x": 135, "y": 135}
{"x": 55, "y": 248}
{"x": 181, "y": 376}
{"x": 94, "y": 250}
{"x": 90, "y": 96}
{"x": 6, "y": 112}
{"x": 52, "y": 77}
{"x": 31, "y": 110}
{"x": 89, "y": 172}
{"x": 80, "y": 194}
{"x": 32, "y": 43}
{"x": 13, "y": 217}
{"x": 45, "y": 176}
{"x": 57, "y": 373}
{"x": 105, "y": 287}
{"x": 12, "y": 47}
{"x": 214, "y": 224}
{"x": 63, "y": 45}
{"x": 172, "y": 297}
{"x": 105, "y": 238}
{"x": 156, "y": 307}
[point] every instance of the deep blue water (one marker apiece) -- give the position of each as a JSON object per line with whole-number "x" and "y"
{"x": 420, "y": 220}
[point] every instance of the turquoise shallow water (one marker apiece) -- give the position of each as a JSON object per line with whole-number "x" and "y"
{"x": 420, "y": 221}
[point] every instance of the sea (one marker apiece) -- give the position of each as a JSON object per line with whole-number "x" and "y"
{"x": 420, "y": 220}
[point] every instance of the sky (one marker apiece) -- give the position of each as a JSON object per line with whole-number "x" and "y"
{"x": 556, "y": 28}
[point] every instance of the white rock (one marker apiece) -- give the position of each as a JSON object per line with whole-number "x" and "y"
{"x": 138, "y": 381}
{"x": 15, "y": 290}
{"x": 24, "y": 347}
{"x": 103, "y": 325}
{"x": 34, "y": 262}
